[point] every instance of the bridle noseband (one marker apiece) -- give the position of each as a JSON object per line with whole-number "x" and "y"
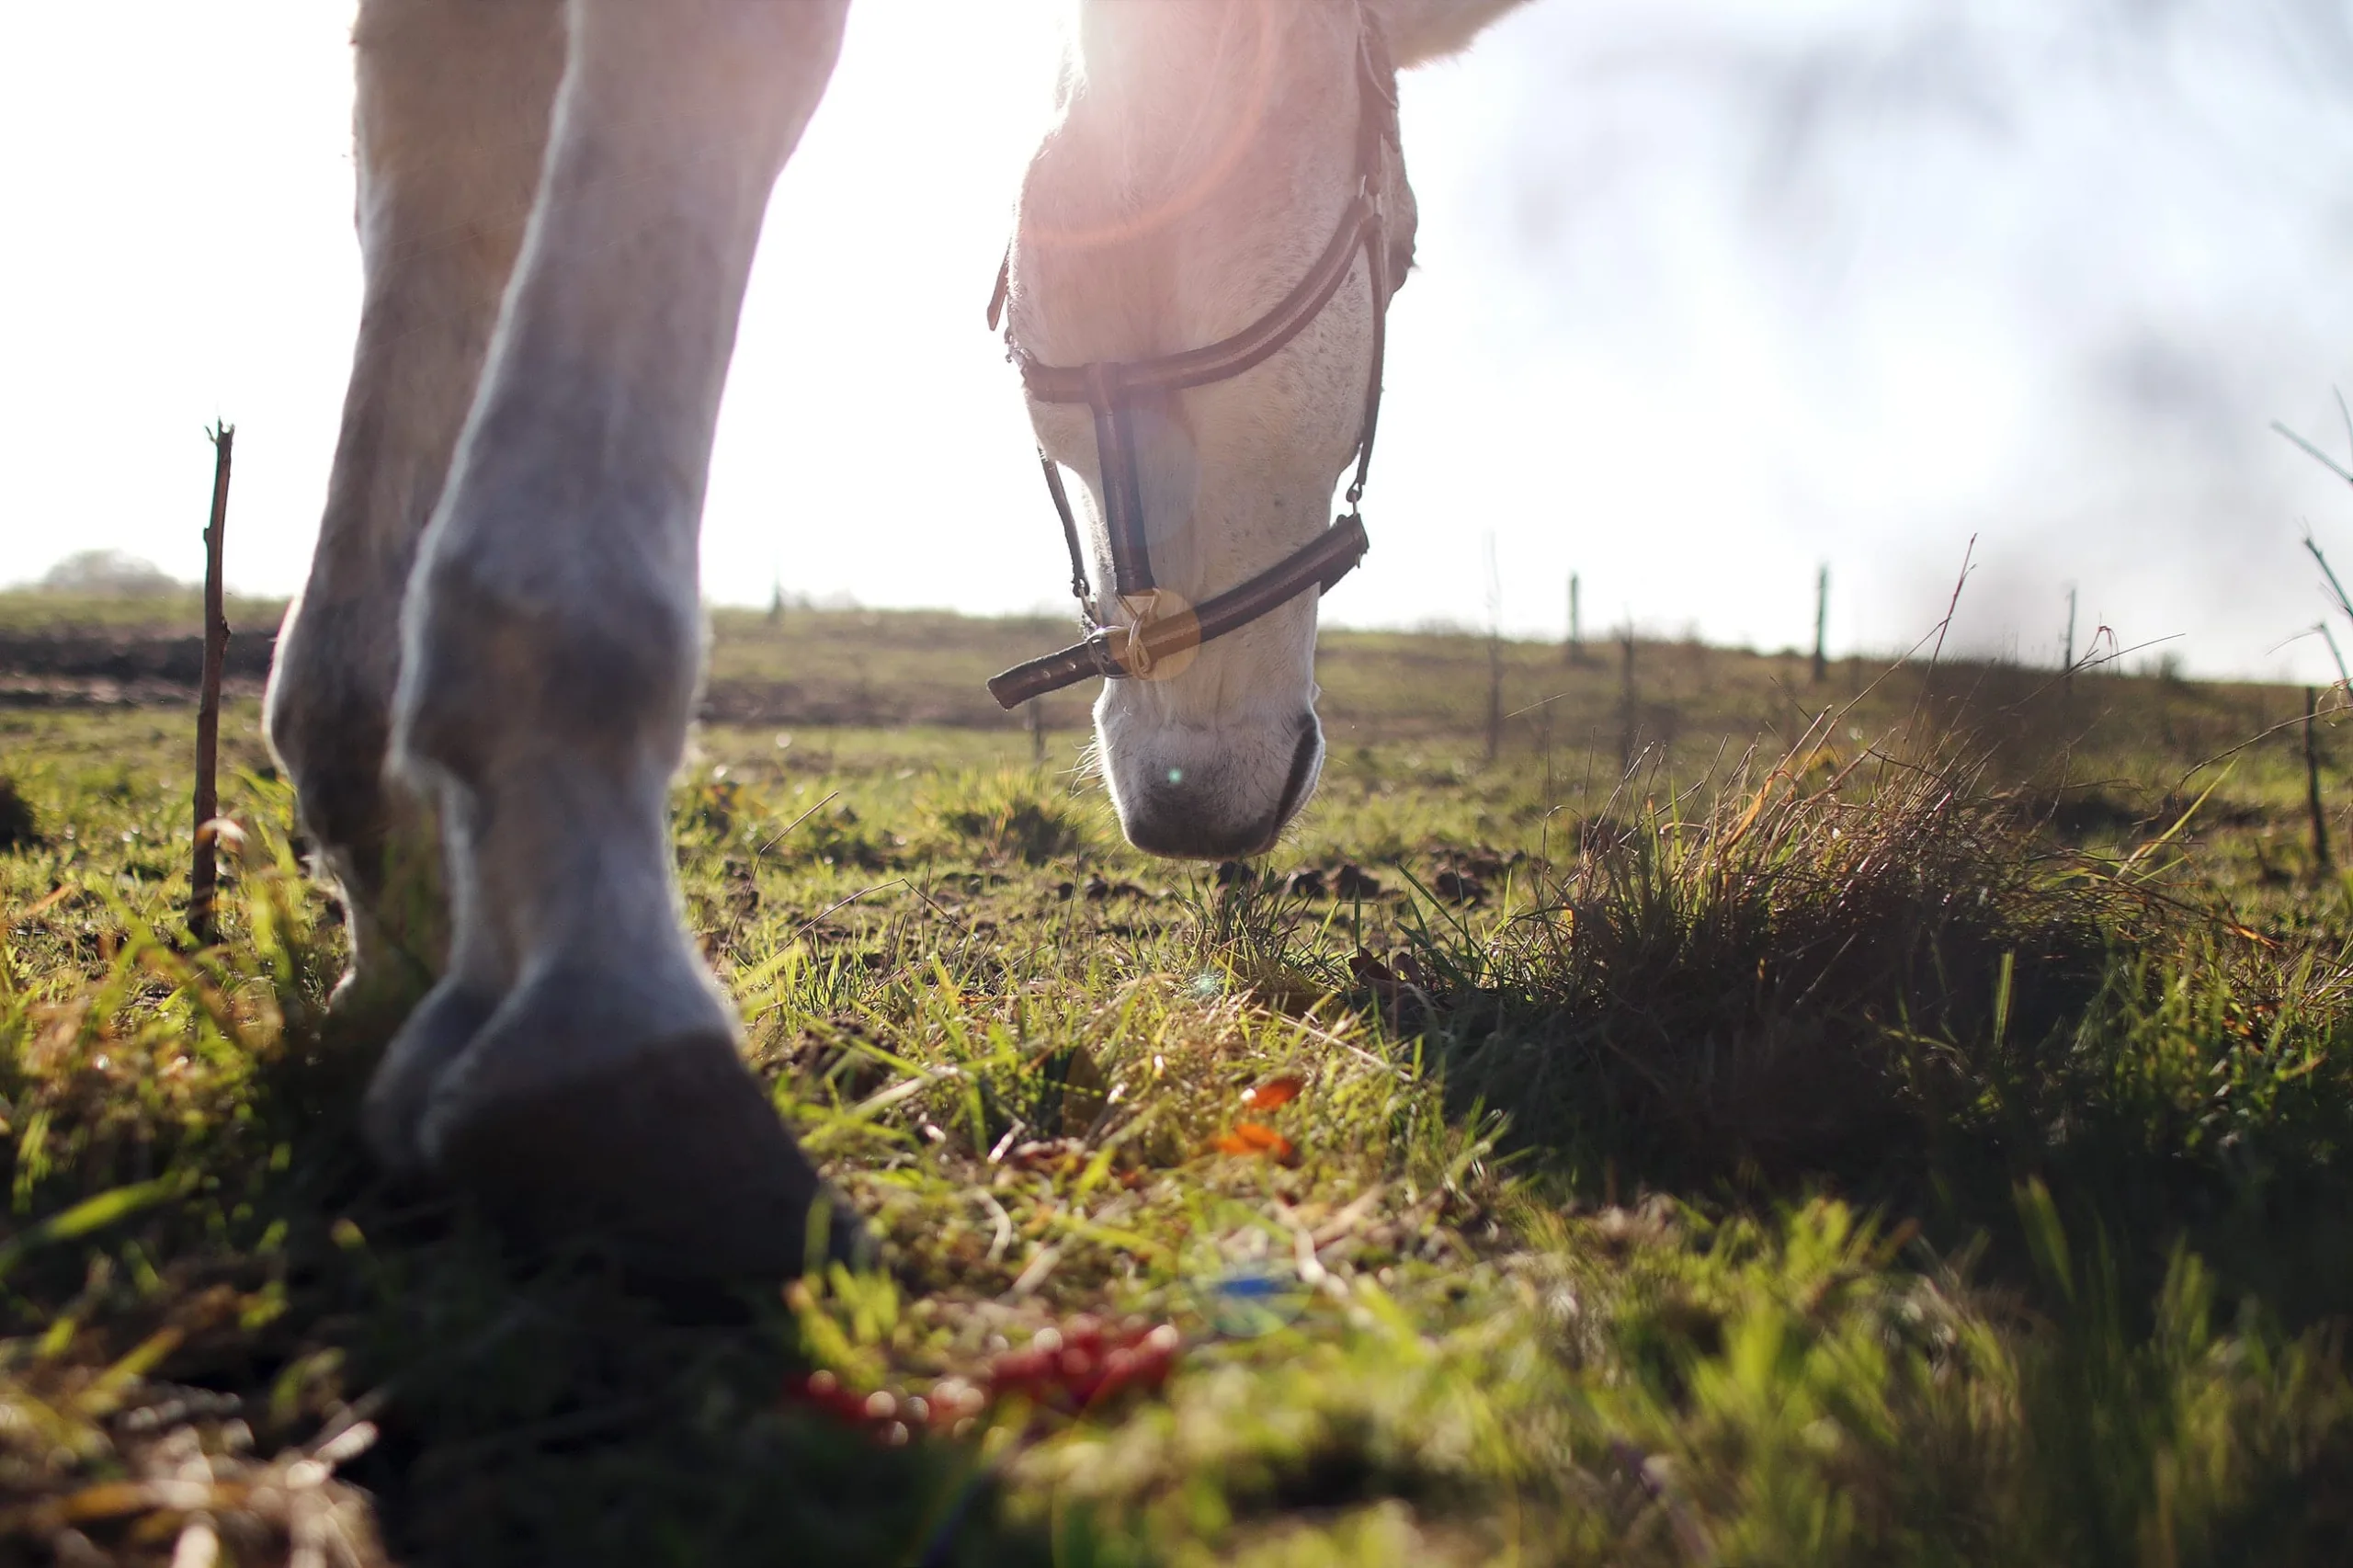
{"x": 1108, "y": 389}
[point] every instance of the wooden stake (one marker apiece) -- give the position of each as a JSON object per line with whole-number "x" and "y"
{"x": 202, "y": 871}
{"x": 2311, "y": 783}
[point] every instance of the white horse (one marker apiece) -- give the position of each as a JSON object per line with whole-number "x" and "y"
{"x": 485, "y": 689}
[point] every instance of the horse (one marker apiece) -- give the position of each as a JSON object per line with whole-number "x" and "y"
{"x": 484, "y": 688}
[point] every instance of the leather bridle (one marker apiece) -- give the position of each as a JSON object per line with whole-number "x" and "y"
{"x": 1109, "y": 388}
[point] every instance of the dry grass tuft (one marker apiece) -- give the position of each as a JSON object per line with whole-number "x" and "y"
{"x": 1772, "y": 985}
{"x": 1006, "y": 816}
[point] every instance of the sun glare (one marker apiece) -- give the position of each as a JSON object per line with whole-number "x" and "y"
{"x": 2067, "y": 326}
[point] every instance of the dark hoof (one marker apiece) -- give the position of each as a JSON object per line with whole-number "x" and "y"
{"x": 671, "y": 1157}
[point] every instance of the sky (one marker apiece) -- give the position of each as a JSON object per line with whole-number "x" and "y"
{"x": 1710, "y": 293}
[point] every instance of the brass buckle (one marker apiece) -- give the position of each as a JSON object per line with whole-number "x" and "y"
{"x": 1147, "y": 610}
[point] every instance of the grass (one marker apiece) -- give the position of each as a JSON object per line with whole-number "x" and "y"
{"x": 1913, "y": 1135}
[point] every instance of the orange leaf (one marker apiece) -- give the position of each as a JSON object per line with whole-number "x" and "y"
{"x": 1256, "y": 1137}
{"x": 1275, "y": 1092}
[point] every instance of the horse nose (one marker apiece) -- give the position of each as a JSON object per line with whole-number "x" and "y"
{"x": 1193, "y": 816}
{"x": 1183, "y": 825}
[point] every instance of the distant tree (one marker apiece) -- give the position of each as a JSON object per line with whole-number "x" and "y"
{"x": 109, "y": 574}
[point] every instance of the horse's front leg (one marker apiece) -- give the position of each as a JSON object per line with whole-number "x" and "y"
{"x": 450, "y": 126}
{"x": 576, "y": 1065}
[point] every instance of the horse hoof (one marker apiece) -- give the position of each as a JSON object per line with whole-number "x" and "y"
{"x": 435, "y": 1033}
{"x": 671, "y": 1156}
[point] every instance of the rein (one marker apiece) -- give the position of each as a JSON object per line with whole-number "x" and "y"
{"x": 1108, "y": 389}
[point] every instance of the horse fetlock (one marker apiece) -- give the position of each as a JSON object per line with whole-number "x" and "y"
{"x": 411, "y": 909}
{"x": 327, "y": 717}
{"x": 377, "y": 843}
{"x": 389, "y": 968}
{"x": 610, "y": 675}
{"x": 437, "y": 1032}
{"x": 589, "y": 1010}
{"x": 395, "y": 906}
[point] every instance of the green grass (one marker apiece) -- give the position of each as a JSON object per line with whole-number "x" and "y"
{"x": 37, "y": 611}
{"x": 1918, "y": 1135}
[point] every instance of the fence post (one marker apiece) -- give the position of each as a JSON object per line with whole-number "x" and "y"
{"x": 1577, "y": 623}
{"x": 2311, "y": 783}
{"x": 1822, "y": 625}
{"x": 203, "y": 870}
{"x": 1494, "y": 656}
{"x": 1629, "y": 704}
{"x": 2069, "y": 677}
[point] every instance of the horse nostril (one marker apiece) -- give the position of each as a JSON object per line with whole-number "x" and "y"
{"x": 1303, "y": 759}
{"x": 1180, "y": 826}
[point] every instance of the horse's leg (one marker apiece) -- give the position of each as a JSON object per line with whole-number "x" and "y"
{"x": 552, "y": 645}
{"x": 450, "y": 125}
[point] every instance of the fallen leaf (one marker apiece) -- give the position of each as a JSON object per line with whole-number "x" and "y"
{"x": 1275, "y": 1092}
{"x": 1457, "y": 887}
{"x": 1388, "y": 984}
{"x": 1371, "y": 973}
{"x": 1257, "y": 1138}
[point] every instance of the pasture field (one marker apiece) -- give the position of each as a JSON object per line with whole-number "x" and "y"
{"x": 1901, "y": 1119}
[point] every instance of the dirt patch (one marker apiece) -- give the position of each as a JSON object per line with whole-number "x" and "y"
{"x": 70, "y": 667}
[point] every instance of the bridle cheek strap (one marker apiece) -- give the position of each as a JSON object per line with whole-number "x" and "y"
{"x": 1107, "y": 388}
{"x": 1113, "y": 651}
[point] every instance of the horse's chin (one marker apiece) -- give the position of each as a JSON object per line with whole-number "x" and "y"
{"x": 1208, "y": 792}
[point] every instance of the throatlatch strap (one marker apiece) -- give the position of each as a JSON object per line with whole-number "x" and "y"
{"x": 1078, "y": 584}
